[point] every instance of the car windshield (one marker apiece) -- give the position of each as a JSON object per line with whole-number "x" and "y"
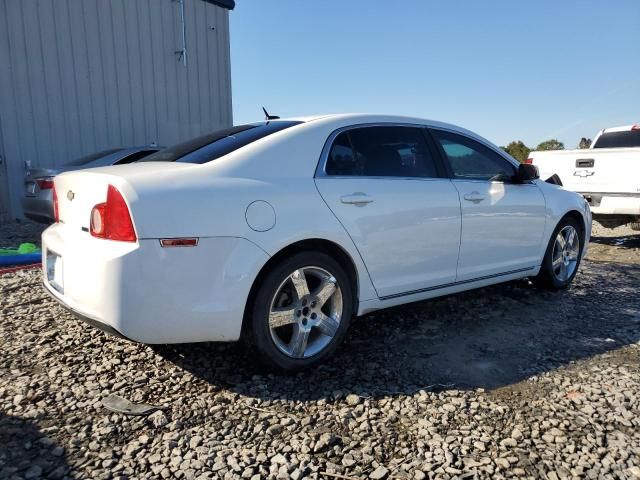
{"x": 92, "y": 157}
{"x": 628, "y": 139}
{"x": 217, "y": 144}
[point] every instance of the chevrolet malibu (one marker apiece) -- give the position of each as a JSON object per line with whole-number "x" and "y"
{"x": 279, "y": 232}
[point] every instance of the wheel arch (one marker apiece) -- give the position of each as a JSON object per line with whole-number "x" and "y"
{"x": 578, "y": 217}
{"x": 580, "y": 220}
{"x": 328, "y": 247}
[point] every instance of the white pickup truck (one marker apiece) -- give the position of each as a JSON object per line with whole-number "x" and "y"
{"x": 607, "y": 174}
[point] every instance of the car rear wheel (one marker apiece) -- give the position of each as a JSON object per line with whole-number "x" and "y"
{"x": 562, "y": 258}
{"x": 301, "y": 312}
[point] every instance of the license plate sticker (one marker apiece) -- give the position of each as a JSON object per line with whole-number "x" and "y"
{"x": 54, "y": 271}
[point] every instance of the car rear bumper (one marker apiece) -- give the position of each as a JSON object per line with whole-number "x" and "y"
{"x": 151, "y": 294}
{"x": 91, "y": 321}
{"x": 38, "y": 209}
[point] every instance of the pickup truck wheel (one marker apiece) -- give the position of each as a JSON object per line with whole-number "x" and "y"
{"x": 301, "y": 312}
{"x": 562, "y": 258}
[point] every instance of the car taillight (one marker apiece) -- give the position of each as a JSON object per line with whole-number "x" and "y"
{"x": 56, "y": 210}
{"x": 528, "y": 161}
{"x": 97, "y": 220}
{"x": 45, "y": 183}
{"x": 111, "y": 219}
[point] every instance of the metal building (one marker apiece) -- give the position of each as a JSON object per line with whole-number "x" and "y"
{"x": 80, "y": 76}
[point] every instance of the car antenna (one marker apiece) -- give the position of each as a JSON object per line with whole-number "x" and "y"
{"x": 269, "y": 117}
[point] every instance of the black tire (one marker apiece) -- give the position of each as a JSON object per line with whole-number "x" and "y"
{"x": 257, "y": 331}
{"x": 547, "y": 277}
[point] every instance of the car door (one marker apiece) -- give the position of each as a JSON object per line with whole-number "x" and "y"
{"x": 502, "y": 221}
{"x": 387, "y": 187}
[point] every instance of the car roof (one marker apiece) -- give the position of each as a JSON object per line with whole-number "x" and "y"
{"x": 340, "y": 120}
{"x": 624, "y": 128}
{"x": 357, "y": 118}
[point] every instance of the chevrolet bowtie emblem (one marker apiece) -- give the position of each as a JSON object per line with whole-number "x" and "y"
{"x": 583, "y": 173}
{"x": 70, "y": 195}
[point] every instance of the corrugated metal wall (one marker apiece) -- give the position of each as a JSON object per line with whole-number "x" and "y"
{"x": 79, "y": 76}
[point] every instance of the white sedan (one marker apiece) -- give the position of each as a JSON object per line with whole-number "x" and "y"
{"x": 280, "y": 231}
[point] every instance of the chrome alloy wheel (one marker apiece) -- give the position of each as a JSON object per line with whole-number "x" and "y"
{"x": 305, "y": 312}
{"x": 566, "y": 250}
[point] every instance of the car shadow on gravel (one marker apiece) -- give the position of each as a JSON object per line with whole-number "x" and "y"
{"x": 27, "y": 452}
{"x": 487, "y": 338}
{"x": 625, "y": 241}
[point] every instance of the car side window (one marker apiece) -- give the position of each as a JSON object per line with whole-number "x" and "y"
{"x": 341, "y": 159}
{"x": 381, "y": 151}
{"x": 472, "y": 160}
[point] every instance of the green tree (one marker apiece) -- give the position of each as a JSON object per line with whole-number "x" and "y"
{"x": 518, "y": 150}
{"x": 552, "y": 144}
{"x": 584, "y": 143}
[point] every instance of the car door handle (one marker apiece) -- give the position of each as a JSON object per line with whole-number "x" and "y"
{"x": 474, "y": 197}
{"x": 359, "y": 199}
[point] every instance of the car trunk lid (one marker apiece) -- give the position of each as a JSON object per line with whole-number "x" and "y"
{"x": 79, "y": 191}
{"x": 31, "y": 177}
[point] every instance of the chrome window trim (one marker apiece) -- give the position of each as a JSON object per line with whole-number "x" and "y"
{"x": 324, "y": 155}
{"x": 498, "y": 182}
{"x": 469, "y": 180}
{"x": 382, "y": 177}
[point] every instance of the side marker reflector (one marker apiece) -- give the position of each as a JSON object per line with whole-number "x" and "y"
{"x": 178, "y": 242}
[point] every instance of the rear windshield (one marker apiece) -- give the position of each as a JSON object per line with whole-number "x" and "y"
{"x": 217, "y": 144}
{"x": 92, "y": 157}
{"x": 628, "y": 139}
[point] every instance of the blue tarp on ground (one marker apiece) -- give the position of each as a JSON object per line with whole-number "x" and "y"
{"x": 23, "y": 259}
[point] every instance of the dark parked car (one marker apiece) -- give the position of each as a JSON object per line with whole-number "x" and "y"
{"x": 37, "y": 202}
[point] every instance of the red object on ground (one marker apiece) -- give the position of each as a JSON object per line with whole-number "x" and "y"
{"x": 19, "y": 267}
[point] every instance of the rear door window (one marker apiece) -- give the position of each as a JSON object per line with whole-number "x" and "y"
{"x": 341, "y": 159}
{"x": 381, "y": 151}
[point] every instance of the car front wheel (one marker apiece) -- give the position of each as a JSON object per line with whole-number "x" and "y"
{"x": 562, "y": 258}
{"x": 301, "y": 311}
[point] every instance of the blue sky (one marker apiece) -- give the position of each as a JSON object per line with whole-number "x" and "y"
{"x": 505, "y": 69}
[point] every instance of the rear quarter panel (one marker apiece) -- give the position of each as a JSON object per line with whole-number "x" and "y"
{"x": 211, "y": 200}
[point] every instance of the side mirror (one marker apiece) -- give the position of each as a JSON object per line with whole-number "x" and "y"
{"x": 527, "y": 173}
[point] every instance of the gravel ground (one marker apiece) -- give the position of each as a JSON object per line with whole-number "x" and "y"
{"x": 620, "y": 245}
{"x": 506, "y": 381}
